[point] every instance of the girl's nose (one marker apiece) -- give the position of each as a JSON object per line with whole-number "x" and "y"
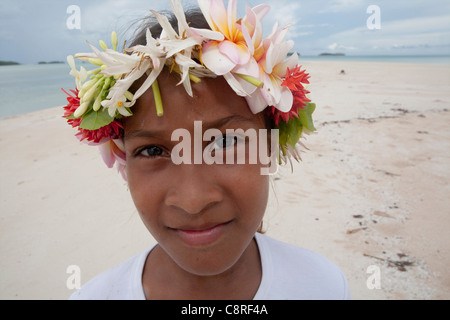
{"x": 194, "y": 189}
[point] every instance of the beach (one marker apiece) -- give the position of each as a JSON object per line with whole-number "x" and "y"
{"x": 371, "y": 193}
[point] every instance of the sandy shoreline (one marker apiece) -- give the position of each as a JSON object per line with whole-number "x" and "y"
{"x": 372, "y": 190}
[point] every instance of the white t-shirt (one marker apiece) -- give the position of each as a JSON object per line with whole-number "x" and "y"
{"x": 288, "y": 273}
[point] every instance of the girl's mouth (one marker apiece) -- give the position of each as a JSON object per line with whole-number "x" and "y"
{"x": 201, "y": 236}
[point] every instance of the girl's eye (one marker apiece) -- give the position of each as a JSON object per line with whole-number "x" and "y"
{"x": 150, "y": 151}
{"x": 224, "y": 142}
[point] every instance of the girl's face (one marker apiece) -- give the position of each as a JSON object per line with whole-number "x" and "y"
{"x": 203, "y": 216}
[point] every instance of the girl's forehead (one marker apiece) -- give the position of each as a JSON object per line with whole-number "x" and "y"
{"x": 213, "y": 103}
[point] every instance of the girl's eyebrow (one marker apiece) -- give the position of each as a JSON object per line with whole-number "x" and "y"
{"x": 224, "y": 121}
{"x": 219, "y": 123}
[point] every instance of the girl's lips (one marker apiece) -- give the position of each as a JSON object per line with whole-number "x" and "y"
{"x": 202, "y": 236}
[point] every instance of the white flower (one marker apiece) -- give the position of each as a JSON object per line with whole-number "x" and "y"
{"x": 119, "y": 105}
{"x": 80, "y": 76}
{"x": 179, "y": 46}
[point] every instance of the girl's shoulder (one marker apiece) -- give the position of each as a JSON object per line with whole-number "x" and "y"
{"x": 292, "y": 272}
{"x": 122, "y": 282}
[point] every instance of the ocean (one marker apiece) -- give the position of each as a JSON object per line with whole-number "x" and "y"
{"x": 28, "y": 88}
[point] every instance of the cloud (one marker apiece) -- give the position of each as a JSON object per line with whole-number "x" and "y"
{"x": 406, "y": 34}
{"x": 284, "y": 13}
{"x": 336, "y": 46}
{"x": 31, "y": 31}
{"x": 342, "y": 6}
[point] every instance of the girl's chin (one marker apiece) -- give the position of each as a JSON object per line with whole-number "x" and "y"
{"x": 211, "y": 260}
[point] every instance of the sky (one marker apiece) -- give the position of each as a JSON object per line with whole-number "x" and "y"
{"x": 44, "y": 30}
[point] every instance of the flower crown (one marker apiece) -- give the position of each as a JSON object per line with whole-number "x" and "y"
{"x": 261, "y": 70}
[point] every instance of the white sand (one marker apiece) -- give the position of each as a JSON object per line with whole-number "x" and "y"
{"x": 372, "y": 190}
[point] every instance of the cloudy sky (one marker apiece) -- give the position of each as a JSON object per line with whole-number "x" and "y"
{"x": 37, "y": 30}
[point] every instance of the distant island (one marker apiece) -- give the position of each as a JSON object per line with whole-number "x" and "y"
{"x": 332, "y": 54}
{"x": 51, "y": 62}
{"x": 8, "y": 63}
{"x": 13, "y": 63}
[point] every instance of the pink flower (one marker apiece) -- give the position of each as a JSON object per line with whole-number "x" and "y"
{"x": 273, "y": 65}
{"x": 223, "y": 56}
{"x": 113, "y": 152}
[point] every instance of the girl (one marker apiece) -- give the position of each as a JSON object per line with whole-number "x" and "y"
{"x": 204, "y": 67}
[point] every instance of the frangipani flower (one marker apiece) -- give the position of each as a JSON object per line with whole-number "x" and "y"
{"x": 223, "y": 56}
{"x": 252, "y": 29}
{"x": 273, "y": 66}
{"x": 233, "y": 58}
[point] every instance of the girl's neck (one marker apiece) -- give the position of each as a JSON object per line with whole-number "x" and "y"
{"x": 163, "y": 279}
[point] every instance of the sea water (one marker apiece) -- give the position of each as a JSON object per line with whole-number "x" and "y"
{"x": 28, "y": 88}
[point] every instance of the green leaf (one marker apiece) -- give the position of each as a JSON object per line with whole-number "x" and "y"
{"x": 305, "y": 116}
{"x": 289, "y": 133}
{"x": 283, "y": 135}
{"x": 96, "y": 119}
{"x": 295, "y": 131}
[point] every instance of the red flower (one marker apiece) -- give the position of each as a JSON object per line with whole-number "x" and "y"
{"x": 73, "y": 104}
{"x": 294, "y": 80}
{"x": 114, "y": 130}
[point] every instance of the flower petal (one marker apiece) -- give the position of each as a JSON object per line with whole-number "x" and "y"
{"x": 235, "y": 84}
{"x": 83, "y": 74}
{"x": 214, "y": 60}
{"x": 148, "y": 82}
{"x": 267, "y": 62}
{"x": 175, "y": 46}
{"x": 237, "y": 53}
{"x": 107, "y": 154}
{"x": 71, "y": 62}
{"x": 180, "y": 15}
{"x": 286, "y": 100}
{"x": 123, "y": 111}
{"x": 261, "y": 11}
{"x": 251, "y": 68}
{"x": 248, "y": 39}
{"x": 256, "y": 102}
{"x": 270, "y": 92}
{"x": 290, "y": 63}
{"x": 165, "y": 24}
{"x": 204, "y": 7}
{"x": 219, "y": 16}
{"x": 232, "y": 17}
{"x": 207, "y": 34}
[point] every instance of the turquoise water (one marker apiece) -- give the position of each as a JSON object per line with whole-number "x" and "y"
{"x": 27, "y": 88}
